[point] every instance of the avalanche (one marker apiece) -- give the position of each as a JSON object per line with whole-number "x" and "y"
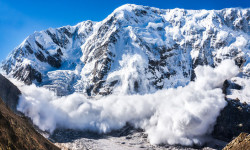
{"x": 159, "y": 70}
{"x": 175, "y": 116}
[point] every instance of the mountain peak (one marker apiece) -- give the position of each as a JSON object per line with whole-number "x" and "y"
{"x": 128, "y": 7}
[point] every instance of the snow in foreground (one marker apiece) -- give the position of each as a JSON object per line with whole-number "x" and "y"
{"x": 175, "y": 116}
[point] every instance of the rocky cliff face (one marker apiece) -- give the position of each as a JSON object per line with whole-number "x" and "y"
{"x": 156, "y": 48}
{"x": 9, "y": 93}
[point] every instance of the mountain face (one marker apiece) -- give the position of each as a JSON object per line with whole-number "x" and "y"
{"x": 136, "y": 48}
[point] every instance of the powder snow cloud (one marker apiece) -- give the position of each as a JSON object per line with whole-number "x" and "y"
{"x": 183, "y": 115}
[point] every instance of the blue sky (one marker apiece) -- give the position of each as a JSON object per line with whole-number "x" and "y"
{"x": 20, "y": 18}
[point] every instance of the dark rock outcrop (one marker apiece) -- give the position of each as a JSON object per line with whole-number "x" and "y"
{"x": 28, "y": 74}
{"x": 227, "y": 85}
{"x": 9, "y": 93}
{"x": 54, "y": 61}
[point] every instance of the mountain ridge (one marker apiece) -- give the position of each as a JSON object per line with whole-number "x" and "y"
{"x": 170, "y": 43}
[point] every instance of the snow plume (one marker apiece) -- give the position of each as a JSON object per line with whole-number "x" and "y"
{"x": 174, "y": 116}
{"x": 132, "y": 75}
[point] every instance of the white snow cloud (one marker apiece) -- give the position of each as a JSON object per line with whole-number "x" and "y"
{"x": 175, "y": 116}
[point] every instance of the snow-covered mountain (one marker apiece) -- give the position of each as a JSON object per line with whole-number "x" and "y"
{"x": 136, "y": 49}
